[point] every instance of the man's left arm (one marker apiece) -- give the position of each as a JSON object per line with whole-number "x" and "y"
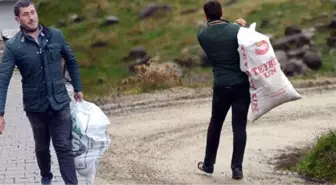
{"x": 72, "y": 65}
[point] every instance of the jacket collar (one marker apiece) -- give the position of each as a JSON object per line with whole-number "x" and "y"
{"x": 44, "y": 32}
{"x": 219, "y": 21}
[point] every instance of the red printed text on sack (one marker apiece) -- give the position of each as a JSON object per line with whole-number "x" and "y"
{"x": 255, "y": 106}
{"x": 267, "y": 69}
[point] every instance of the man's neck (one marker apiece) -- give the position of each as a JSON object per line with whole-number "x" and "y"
{"x": 34, "y": 34}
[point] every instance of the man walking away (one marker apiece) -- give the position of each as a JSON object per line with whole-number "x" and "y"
{"x": 37, "y": 51}
{"x": 230, "y": 88}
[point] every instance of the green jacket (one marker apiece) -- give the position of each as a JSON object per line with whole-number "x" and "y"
{"x": 219, "y": 42}
{"x": 39, "y": 63}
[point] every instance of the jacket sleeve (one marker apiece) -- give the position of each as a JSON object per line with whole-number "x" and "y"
{"x": 6, "y": 71}
{"x": 71, "y": 64}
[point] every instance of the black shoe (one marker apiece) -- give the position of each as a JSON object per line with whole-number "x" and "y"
{"x": 205, "y": 168}
{"x": 237, "y": 173}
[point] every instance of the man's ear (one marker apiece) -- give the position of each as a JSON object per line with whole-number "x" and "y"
{"x": 17, "y": 19}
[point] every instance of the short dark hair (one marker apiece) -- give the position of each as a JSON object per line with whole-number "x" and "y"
{"x": 213, "y": 10}
{"x": 21, "y": 4}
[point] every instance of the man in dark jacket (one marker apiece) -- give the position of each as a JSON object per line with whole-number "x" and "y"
{"x": 231, "y": 87}
{"x": 37, "y": 51}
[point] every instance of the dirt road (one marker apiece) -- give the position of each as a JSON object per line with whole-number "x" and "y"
{"x": 162, "y": 145}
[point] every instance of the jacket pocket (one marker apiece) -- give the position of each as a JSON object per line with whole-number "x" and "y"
{"x": 31, "y": 99}
{"x": 60, "y": 91}
{"x": 55, "y": 52}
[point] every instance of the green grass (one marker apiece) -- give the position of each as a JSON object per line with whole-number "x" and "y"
{"x": 103, "y": 70}
{"x": 314, "y": 163}
{"x": 320, "y": 161}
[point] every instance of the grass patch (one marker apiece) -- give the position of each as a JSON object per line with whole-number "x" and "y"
{"x": 313, "y": 163}
{"x": 102, "y": 68}
{"x": 320, "y": 162}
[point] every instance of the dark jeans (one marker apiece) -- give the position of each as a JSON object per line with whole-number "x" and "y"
{"x": 55, "y": 125}
{"x": 237, "y": 97}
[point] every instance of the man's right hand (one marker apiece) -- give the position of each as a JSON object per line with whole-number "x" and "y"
{"x": 2, "y": 124}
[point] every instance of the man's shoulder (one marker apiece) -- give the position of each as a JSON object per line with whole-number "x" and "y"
{"x": 14, "y": 40}
{"x": 201, "y": 32}
{"x": 56, "y": 32}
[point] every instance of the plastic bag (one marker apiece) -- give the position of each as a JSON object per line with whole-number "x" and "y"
{"x": 89, "y": 137}
{"x": 269, "y": 86}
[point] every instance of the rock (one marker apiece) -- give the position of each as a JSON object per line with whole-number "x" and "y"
{"x": 309, "y": 32}
{"x": 99, "y": 44}
{"x": 110, "y": 20}
{"x": 264, "y": 22}
{"x": 136, "y": 52}
{"x": 292, "y": 30}
{"x": 61, "y": 23}
{"x": 76, "y": 18}
{"x": 153, "y": 8}
{"x": 313, "y": 60}
{"x": 298, "y": 52}
{"x": 282, "y": 57}
{"x": 332, "y": 23}
{"x": 294, "y": 67}
{"x": 285, "y": 43}
{"x": 331, "y": 41}
{"x": 139, "y": 62}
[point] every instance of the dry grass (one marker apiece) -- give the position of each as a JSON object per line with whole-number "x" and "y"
{"x": 155, "y": 73}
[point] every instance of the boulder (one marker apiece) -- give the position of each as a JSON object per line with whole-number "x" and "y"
{"x": 292, "y": 30}
{"x": 309, "y": 32}
{"x": 298, "y": 52}
{"x": 331, "y": 41}
{"x": 136, "y": 53}
{"x": 313, "y": 60}
{"x": 110, "y": 20}
{"x": 294, "y": 67}
{"x": 332, "y": 23}
{"x": 99, "y": 44}
{"x": 153, "y": 8}
{"x": 264, "y": 22}
{"x": 61, "y": 23}
{"x": 285, "y": 43}
{"x": 76, "y": 18}
{"x": 281, "y": 55}
{"x": 139, "y": 62}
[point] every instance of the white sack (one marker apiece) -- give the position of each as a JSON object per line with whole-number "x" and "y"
{"x": 269, "y": 87}
{"x": 90, "y": 138}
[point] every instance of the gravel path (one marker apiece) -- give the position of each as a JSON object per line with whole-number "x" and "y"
{"x": 17, "y": 155}
{"x": 162, "y": 141}
{"x": 159, "y": 140}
